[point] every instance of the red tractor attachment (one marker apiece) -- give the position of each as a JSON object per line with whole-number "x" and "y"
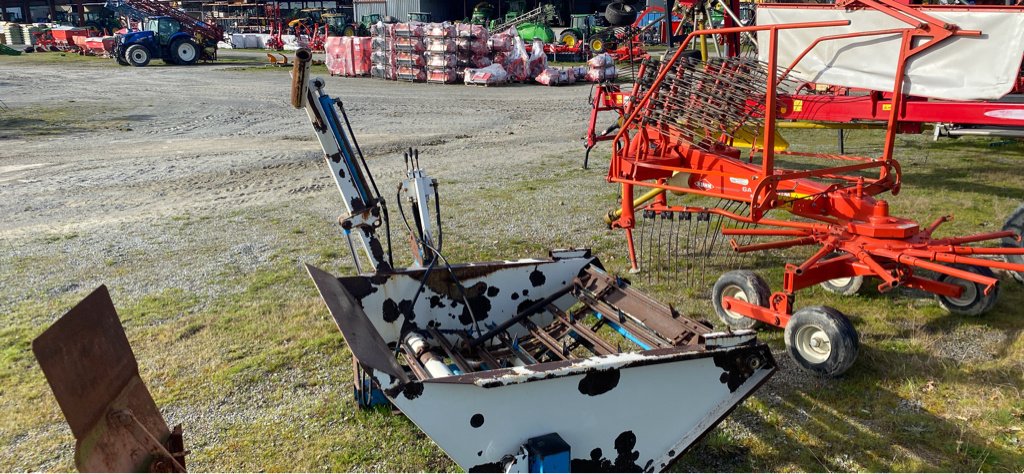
{"x": 679, "y": 135}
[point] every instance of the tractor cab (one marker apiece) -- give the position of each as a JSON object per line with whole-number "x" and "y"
{"x": 421, "y": 17}
{"x": 371, "y": 19}
{"x": 163, "y": 28}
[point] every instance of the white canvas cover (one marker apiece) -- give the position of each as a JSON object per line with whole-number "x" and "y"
{"x": 959, "y": 68}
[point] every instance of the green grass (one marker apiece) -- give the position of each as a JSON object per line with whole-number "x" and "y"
{"x": 270, "y": 348}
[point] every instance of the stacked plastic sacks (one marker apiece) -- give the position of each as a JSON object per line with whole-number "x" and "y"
{"x": 471, "y": 45}
{"x": 439, "y": 57}
{"x": 500, "y": 45}
{"x": 383, "y": 60}
{"x": 601, "y": 68}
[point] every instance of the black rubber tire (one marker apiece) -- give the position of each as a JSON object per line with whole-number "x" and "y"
{"x": 1016, "y": 224}
{"x": 973, "y": 302}
{"x": 137, "y": 56}
{"x": 177, "y": 56}
{"x": 740, "y": 282}
{"x": 121, "y": 61}
{"x": 597, "y": 45}
{"x": 807, "y": 326}
{"x": 620, "y": 14}
{"x": 570, "y": 33}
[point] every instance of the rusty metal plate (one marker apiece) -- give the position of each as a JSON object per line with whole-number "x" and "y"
{"x": 93, "y": 373}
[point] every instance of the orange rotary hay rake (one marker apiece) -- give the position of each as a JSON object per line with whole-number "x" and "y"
{"x": 678, "y": 138}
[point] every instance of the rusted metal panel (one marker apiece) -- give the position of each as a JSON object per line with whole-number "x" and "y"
{"x": 93, "y": 373}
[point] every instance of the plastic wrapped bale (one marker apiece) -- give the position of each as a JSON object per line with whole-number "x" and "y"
{"x": 440, "y": 30}
{"x": 384, "y": 71}
{"x": 440, "y": 60}
{"x": 601, "y": 68}
{"x": 601, "y": 60}
{"x": 537, "y": 61}
{"x": 338, "y": 55}
{"x": 382, "y": 30}
{"x": 440, "y": 45}
{"x": 412, "y": 74}
{"x": 410, "y": 44}
{"x": 476, "y": 62}
{"x": 488, "y": 76}
{"x": 516, "y": 61}
{"x": 601, "y": 74}
{"x": 409, "y": 59}
{"x": 466, "y": 30}
{"x": 446, "y": 75}
{"x": 412, "y": 29}
{"x": 474, "y": 46}
{"x": 553, "y": 76}
{"x": 361, "y": 49}
{"x": 500, "y": 43}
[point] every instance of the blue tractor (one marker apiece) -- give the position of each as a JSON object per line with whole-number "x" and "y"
{"x": 163, "y": 38}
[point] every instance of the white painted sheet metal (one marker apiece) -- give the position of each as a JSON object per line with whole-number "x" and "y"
{"x": 960, "y": 68}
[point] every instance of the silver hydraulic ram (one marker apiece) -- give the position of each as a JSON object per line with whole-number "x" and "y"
{"x": 363, "y": 204}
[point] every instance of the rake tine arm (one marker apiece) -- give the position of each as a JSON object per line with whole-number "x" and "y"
{"x": 950, "y": 258}
{"x": 888, "y": 280}
{"x": 772, "y": 232}
{"x": 977, "y": 238}
{"x": 960, "y": 250}
{"x": 913, "y": 261}
{"x": 820, "y": 254}
{"x": 781, "y": 244}
{"x": 936, "y": 224}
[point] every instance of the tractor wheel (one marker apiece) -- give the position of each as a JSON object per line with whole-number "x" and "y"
{"x": 743, "y": 285}
{"x": 137, "y": 55}
{"x": 620, "y": 14}
{"x": 973, "y": 301}
{"x": 597, "y": 45}
{"x": 184, "y": 52}
{"x": 822, "y": 340}
{"x": 348, "y": 30}
{"x": 569, "y": 38}
{"x": 1016, "y": 224}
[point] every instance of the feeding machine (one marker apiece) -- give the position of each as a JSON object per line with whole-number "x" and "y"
{"x": 504, "y": 364}
{"x": 678, "y": 137}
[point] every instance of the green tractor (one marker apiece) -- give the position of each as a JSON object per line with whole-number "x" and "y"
{"x": 482, "y": 14}
{"x": 593, "y": 29}
{"x": 338, "y": 24}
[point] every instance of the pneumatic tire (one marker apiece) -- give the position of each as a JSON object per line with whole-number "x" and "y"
{"x": 137, "y": 55}
{"x": 1016, "y": 224}
{"x": 743, "y": 285}
{"x": 973, "y": 301}
{"x": 822, "y": 340}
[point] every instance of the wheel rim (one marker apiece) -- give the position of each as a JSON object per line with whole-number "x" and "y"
{"x": 737, "y": 293}
{"x": 840, "y": 282}
{"x": 138, "y": 56}
{"x": 569, "y": 41}
{"x": 596, "y": 45}
{"x": 813, "y": 344}
{"x": 186, "y": 52}
{"x": 967, "y": 296}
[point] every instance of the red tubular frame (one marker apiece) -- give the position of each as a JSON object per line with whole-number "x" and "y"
{"x": 849, "y": 219}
